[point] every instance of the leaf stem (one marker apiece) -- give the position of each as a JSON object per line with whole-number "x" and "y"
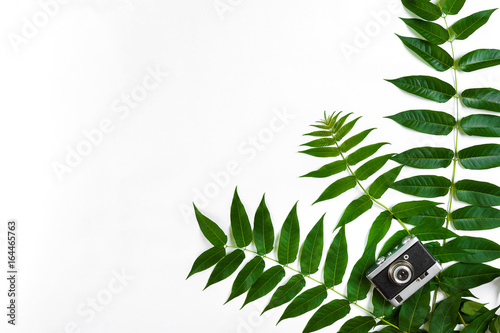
{"x": 366, "y": 192}
{"x": 319, "y": 282}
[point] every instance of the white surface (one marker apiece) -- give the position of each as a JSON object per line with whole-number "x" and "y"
{"x": 121, "y": 207}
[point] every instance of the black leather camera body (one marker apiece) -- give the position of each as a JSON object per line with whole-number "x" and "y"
{"x": 404, "y": 270}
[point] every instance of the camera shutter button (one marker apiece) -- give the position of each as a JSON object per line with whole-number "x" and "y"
{"x": 380, "y": 260}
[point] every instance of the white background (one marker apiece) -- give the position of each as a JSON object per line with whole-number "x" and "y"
{"x": 122, "y": 207}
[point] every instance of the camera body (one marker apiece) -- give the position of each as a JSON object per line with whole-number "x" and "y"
{"x": 403, "y": 270}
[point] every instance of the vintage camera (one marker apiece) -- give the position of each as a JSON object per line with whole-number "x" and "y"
{"x": 403, "y": 270}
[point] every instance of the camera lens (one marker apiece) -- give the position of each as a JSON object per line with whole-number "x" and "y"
{"x": 401, "y": 272}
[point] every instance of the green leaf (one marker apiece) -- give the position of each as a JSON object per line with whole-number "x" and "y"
{"x": 344, "y": 130}
{"x": 481, "y": 125}
{"x": 320, "y": 133}
{"x": 444, "y": 318}
{"x": 410, "y": 208}
{"x": 381, "y": 306}
{"x": 354, "y": 140}
{"x": 422, "y": 8}
{"x": 289, "y": 238}
{"x": 452, "y": 7}
{"x": 433, "y": 32}
{"x": 322, "y": 152}
{"x": 415, "y": 309}
{"x": 426, "y": 121}
{"x": 467, "y": 26}
{"x": 225, "y": 267}
{"x": 210, "y": 230}
{"x": 451, "y": 287}
{"x": 476, "y": 218}
{"x": 287, "y": 292}
{"x": 379, "y": 229}
{"x": 372, "y": 166}
{"x": 263, "y": 231}
{"x": 470, "y": 308}
{"x": 471, "y": 275}
{"x": 480, "y": 249}
{"x": 336, "y": 260}
{"x": 305, "y": 302}
{"x": 424, "y": 186}
{"x": 355, "y": 209}
{"x": 432, "y": 54}
{"x": 340, "y": 122}
{"x": 482, "y": 99}
{"x": 328, "y": 170}
{"x": 480, "y": 324}
{"x": 480, "y": 157}
{"x": 327, "y": 315}
{"x": 479, "y": 59}
{"x": 383, "y": 182}
{"x": 323, "y": 142}
{"x": 312, "y": 249}
{"x": 358, "y": 324}
{"x": 430, "y": 232}
{"x": 433, "y": 216}
{"x": 447, "y": 254}
{"x": 393, "y": 241}
{"x": 358, "y": 285}
{"x": 426, "y": 86}
{"x": 495, "y": 325}
{"x": 265, "y": 284}
{"x": 240, "y": 225}
{"x": 337, "y": 188}
{"x": 207, "y": 259}
{"x": 247, "y": 277}
{"x": 425, "y": 157}
{"x": 478, "y": 193}
{"x": 364, "y": 152}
